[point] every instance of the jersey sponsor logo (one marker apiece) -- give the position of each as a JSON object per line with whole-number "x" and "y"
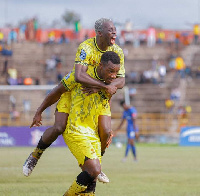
{"x": 83, "y": 55}
{"x": 67, "y": 76}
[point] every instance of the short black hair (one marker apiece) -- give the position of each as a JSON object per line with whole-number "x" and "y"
{"x": 110, "y": 56}
{"x": 122, "y": 102}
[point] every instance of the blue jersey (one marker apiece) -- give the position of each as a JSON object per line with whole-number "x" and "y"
{"x": 129, "y": 115}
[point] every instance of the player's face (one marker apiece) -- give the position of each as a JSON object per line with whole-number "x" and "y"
{"x": 125, "y": 106}
{"x": 109, "y": 72}
{"x": 109, "y": 33}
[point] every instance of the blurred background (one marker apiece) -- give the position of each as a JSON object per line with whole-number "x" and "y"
{"x": 160, "y": 40}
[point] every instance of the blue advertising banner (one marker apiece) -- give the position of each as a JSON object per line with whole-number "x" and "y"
{"x": 190, "y": 136}
{"x": 24, "y": 136}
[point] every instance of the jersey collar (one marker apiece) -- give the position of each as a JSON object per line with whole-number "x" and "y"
{"x": 95, "y": 72}
{"x": 95, "y": 43}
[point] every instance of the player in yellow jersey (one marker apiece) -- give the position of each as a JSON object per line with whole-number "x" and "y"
{"x": 88, "y": 54}
{"x": 81, "y": 134}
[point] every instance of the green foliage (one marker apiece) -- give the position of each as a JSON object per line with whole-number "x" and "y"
{"x": 70, "y": 17}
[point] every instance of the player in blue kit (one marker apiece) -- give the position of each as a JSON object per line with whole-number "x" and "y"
{"x": 129, "y": 115}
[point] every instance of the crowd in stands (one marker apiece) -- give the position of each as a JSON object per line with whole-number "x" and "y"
{"x": 52, "y": 66}
{"x": 31, "y": 30}
{"x": 172, "y": 104}
{"x": 152, "y": 36}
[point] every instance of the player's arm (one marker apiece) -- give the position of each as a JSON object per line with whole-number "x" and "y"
{"x": 49, "y": 100}
{"x": 119, "y": 127}
{"x": 119, "y": 82}
{"x": 82, "y": 77}
{"x": 134, "y": 116}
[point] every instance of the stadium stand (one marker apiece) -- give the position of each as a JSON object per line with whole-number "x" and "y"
{"x": 149, "y": 98}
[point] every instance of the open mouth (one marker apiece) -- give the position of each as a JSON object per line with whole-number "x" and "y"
{"x": 112, "y": 41}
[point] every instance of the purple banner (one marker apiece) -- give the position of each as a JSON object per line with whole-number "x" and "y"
{"x": 24, "y": 136}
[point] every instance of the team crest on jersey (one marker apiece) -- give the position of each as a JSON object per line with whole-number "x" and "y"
{"x": 83, "y": 54}
{"x": 67, "y": 76}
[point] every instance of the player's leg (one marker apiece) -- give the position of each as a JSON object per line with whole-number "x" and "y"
{"x": 90, "y": 170}
{"x": 48, "y": 137}
{"x": 87, "y": 150}
{"x": 90, "y": 189}
{"x": 132, "y": 142}
{"x": 104, "y": 129}
{"x": 105, "y": 133}
{"x": 50, "y": 134}
{"x": 128, "y": 147}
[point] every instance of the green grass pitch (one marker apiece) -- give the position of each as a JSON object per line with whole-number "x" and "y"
{"x": 167, "y": 170}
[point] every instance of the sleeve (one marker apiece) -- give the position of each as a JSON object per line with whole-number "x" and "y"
{"x": 134, "y": 113}
{"x": 83, "y": 54}
{"x": 68, "y": 81}
{"x": 121, "y": 72}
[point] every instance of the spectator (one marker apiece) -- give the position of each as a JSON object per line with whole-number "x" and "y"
{"x": 155, "y": 76}
{"x": 125, "y": 50}
{"x": 147, "y": 76}
{"x": 185, "y": 37}
{"x": 51, "y": 64}
{"x": 196, "y": 32}
{"x": 169, "y": 105}
{"x": 180, "y": 66}
{"x": 1, "y": 37}
{"x": 12, "y": 76}
{"x": 37, "y": 81}
{"x": 6, "y": 51}
{"x": 51, "y": 37}
{"x": 5, "y": 67}
{"x": 151, "y": 37}
{"x": 12, "y": 101}
{"x": 177, "y": 40}
{"x": 22, "y": 30}
{"x": 59, "y": 71}
{"x": 14, "y": 115}
{"x": 132, "y": 93}
{"x": 35, "y": 27}
{"x": 181, "y": 111}
{"x": 28, "y": 81}
{"x": 175, "y": 94}
{"x": 162, "y": 72}
{"x": 20, "y": 80}
{"x": 198, "y": 72}
{"x": 136, "y": 39}
{"x": 27, "y": 108}
{"x": 172, "y": 61}
{"x": 12, "y": 36}
{"x": 30, "y": 30}
{"x": 161, "y": 37}
{"x": 142, "y": 38}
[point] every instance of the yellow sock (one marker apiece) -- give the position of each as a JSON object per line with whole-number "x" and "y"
{"x": 75, "y": 189}
{"x": 37, "y": 153}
